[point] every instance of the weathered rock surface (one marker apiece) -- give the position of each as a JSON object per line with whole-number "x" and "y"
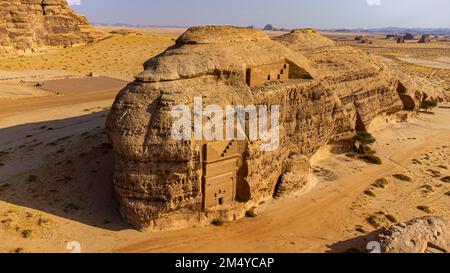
{"x": 423, "y": 235}
{"x": 426, "y": 38}
{"x": 304, "y": 39}
{"x": 27, "y": 25}
{"x": 325, "y": 94}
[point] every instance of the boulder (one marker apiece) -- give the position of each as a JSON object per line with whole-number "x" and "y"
{"x": 422, "y": 235}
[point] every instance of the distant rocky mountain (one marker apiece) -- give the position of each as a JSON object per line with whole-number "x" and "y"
{"x": 397, "y": 30}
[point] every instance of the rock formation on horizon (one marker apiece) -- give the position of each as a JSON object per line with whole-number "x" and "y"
{"x": 426, "y": 38}
{"x": 325, "y": 92}
{"x": 28, "y": 25}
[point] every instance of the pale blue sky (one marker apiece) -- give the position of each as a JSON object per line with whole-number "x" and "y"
{"x": 281, "y": 13}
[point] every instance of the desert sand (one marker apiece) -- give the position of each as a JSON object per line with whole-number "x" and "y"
{"x": 56, "y": 165}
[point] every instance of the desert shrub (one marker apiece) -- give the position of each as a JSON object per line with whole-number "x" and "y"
{"x": 370, "y": 193}
{"x": 391, "y": 218}
{"x": 447, "y": 193}
{"x": 360, "y": 229}
{"x": 251, "y": 213}
{"x": 27, "y": 233}
{"x": 365, "y": 138}
{"x": 381, "y": 183}
{"x": 372, "y": 220}
{"x": 428, "y": 104}
{"x": 416, "y": 162}
{"x": 434, "y": 173}
{"x": 18, "y": 250}
{"x": 402, "y": 177}
{"x": 367, "y": 150}
{"x": 425, "y": 209}
{"x": 427, "y": 188}
{"x": 217, "y": 222}
{"x": 374, "y": 159}
{"x": 43, "y": 221}
{"x": 446, "y": 179}
{"x": 6, "y": 221}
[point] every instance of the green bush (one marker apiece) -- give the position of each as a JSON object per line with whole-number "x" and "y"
{"x": 365, "y": 138}
{"x": 428, "y": 104}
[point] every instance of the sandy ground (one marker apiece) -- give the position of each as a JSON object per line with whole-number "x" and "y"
{"x": 56, "y": 183}
{"x": 426, "y": 62}
{"x": 10, "y": 90}
{"x": 56, "y": 169}
{"x": 120, "y": 56}
{"x": 440, "y": 63}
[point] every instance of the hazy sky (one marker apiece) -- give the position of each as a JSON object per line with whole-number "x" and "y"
{"x": 281, "y": 13}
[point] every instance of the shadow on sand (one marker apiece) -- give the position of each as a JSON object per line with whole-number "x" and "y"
{"x": 354, "y": 245}
{"x": 63, "y": 168}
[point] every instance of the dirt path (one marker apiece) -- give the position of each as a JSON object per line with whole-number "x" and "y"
{"x": 79, "y": 98}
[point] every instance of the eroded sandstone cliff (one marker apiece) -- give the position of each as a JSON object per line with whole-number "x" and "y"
{"x": 325, "y": 94}
{"x": 27, "y": 25}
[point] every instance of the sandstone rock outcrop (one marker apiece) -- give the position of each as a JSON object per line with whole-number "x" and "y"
{"x": 305, "y": 39}
{"x": 426, "y": 38}
{"x": 423, "y": 235}
{"x": 28, "y": 25}
{"x": 325, "y": 93}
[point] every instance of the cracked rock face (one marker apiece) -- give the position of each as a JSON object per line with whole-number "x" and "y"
{"x": 423, "y": 235}
{"x": 325, "y": 94}
{"x": 27, "y": 25}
